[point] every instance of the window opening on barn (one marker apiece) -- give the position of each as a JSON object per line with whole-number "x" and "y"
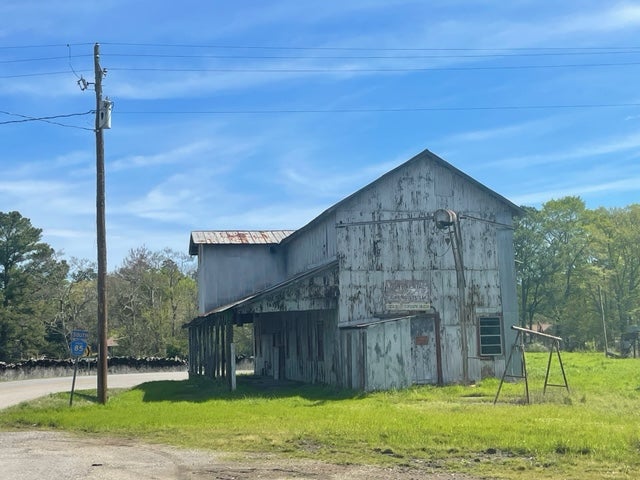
{"x": 490, "y": 332}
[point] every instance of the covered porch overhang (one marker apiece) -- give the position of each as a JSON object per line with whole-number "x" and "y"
{"x": 211, "y": 348}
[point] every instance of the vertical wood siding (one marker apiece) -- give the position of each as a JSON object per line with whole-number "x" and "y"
{"x": 228, "y": 272}
{"x": 385, "y": 239}
{"x": 387, "y": 234}
{"x": 316, "y": 246}
{"x": 303, "y": 342}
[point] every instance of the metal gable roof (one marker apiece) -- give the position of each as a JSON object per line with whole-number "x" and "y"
{"x": 236, "y": 237}
{"x": 424, "y": 155}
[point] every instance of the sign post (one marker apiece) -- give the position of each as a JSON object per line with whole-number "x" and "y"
{"x": 77, "y": 346}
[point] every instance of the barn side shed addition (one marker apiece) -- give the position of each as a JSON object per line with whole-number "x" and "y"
{"x": 409, "y": 280}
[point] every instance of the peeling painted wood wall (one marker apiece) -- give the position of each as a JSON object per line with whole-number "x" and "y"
{"x": 228, "y": 272}
{"x": 315, "y": 246}
{"x": 389, "y": 355}
{"x": 385, "y": 235}
{"x": 295, "y": 330}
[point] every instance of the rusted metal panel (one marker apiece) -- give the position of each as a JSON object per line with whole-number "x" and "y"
{"x": 235, "y": 237}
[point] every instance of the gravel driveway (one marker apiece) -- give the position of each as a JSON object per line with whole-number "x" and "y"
{"x": 60, "y": 456}
{"x": 44, "y": 455}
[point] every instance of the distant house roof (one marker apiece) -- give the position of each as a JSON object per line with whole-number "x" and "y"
{"x": 236, "y": 237}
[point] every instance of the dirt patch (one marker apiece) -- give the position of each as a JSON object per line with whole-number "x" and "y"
{"x": 49, "y": 455}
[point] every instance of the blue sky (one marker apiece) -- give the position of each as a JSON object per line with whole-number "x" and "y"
{"x": 259, "y": 115}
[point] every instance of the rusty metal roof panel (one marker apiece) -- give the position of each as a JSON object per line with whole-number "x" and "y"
{"x": 237, "y": 237}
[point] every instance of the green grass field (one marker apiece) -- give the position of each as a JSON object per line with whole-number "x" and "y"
{"x": 593, "y": 432}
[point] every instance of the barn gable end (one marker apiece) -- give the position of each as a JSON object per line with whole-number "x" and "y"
{"x": 409, "y": 280}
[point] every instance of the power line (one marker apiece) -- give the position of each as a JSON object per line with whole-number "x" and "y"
{"x": 52, "y": 45}
{"x": 368, "y": 70}
{"x": 27, "y": 118}
{"x": 365, "y": 57}
{"x": 509, "y": 54}
{"x": 39, "y": 74}
{"x": 41, "y": 59}
{"x": 382, "y": 110}
{"x": 337, "y": 70}
{"x": 368, "y": 49}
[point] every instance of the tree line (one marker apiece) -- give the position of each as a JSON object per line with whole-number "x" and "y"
{"x": 43, "y": 297}
{"x": 578, "y": 274}
{"x": 578, "y": 271}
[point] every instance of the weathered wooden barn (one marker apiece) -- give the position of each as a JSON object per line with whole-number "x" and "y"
{"x": 409, "y": 280}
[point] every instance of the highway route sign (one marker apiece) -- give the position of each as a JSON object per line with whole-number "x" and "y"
{"x": 78, "y": 347}
{"x": 80, "y": 335}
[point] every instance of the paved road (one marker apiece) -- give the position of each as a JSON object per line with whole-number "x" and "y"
{"x": 12, "y": 393}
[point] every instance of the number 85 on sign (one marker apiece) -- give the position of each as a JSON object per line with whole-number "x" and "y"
{"x": 78, "y": 347}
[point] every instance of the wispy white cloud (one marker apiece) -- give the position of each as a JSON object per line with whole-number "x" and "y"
{"x": 625, "y": 185}
{"x": 606, "y": 146}
{"x": 31, "y": 188}
{"x": 274, "y": 216}
{"x": 182, "y": 154}
{"x": 70, "y": 234}
{"x": 318, "y": 181}
{"x": 615, "y": 17}
{"x": 532, "y": 128}
{"x": 586, "y": 25}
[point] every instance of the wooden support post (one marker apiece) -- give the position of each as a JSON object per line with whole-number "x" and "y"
{"x": 231, "y": 357}
{"x": 101, "y": 237}
{"x": 232, "y": 377}
{"x": 216, "y": 353}
{"x": 223, "y": 351}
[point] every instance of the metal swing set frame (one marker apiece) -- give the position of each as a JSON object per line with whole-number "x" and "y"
{"x": 518, "y": 344}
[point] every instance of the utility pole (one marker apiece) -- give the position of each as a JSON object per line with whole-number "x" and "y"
{"x": 101, "y": 233}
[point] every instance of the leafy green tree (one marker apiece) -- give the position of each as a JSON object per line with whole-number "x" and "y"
{"x": 75, "y": 300}
{"x": 152, "y": 295}
{"x": 29, "y": 271}
{"x": 566, "y": 235}
{"x": 616, "y": 234}
{"x": 535, "y": 264}
{"x": 577, "y": 265}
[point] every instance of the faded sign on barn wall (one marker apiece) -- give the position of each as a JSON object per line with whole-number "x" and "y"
{"x": 406, "y": 296}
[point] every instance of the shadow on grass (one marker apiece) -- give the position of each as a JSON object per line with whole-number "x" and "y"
{"x": 247, "y": 386}
{"x": 87, "y": 397}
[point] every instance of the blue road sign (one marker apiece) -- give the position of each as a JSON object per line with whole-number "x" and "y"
{"x": 79, "y": 335}
{"x": 78, "y": 347}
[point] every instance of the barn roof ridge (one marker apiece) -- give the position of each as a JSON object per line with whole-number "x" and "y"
{"x": 236, "y": 237}
{"x": 425, "y": 154}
